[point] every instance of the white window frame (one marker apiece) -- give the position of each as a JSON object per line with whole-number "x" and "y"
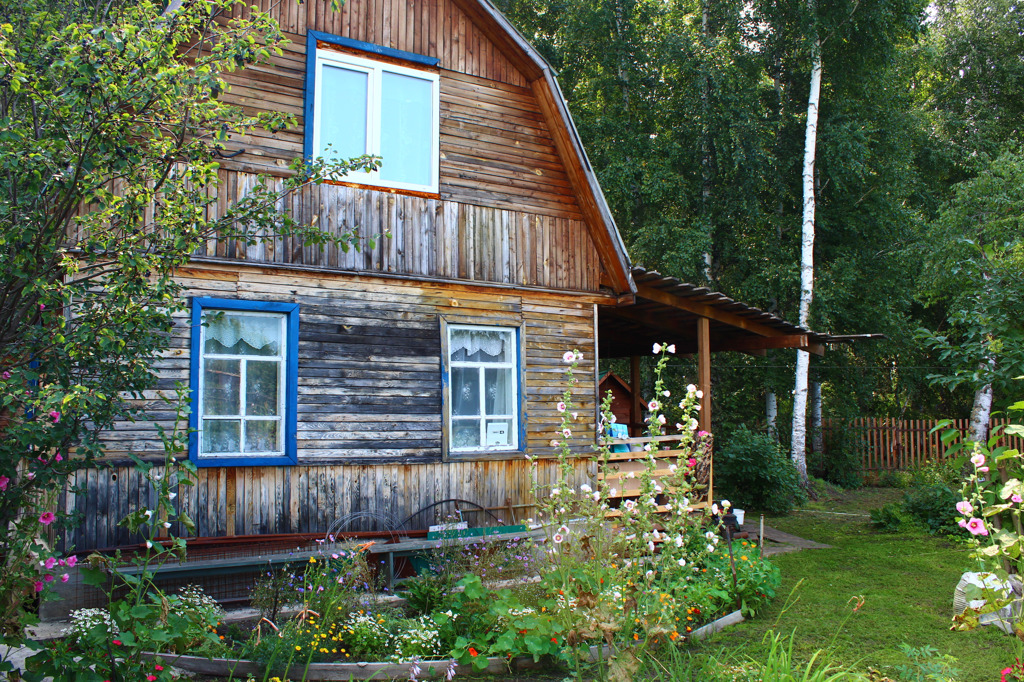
{"x": 514, "y": 367}
{"x": 375, "y": 71}
{"x": 282, "y": 378}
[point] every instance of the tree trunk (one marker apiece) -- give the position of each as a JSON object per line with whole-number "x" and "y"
{"x": 803, "y": 360}
{"x": 981, "y": 413}
{"x": 771, "y": 413}
{"x": 817, "y": 437}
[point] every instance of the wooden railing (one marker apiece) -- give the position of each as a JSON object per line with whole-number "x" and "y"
{"x": 893, "y": 444}
{"x": 624, "y": 463}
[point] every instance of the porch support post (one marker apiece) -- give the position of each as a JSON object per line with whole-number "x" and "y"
{"x": 634, "y": 405}
{"x": 704, "y": 371}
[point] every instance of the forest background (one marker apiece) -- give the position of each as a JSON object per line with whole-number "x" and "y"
{"x": 693, "y": 113}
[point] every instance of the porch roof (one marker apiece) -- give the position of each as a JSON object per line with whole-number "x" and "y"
{"x": 666, "y": 310}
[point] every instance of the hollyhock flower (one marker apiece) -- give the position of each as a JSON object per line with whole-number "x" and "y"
{"x": 72, "y": 560}
{"x": 46, "y": 518}
{"x": 962, "y": 523}
{"x": 586, "y": 488}
{"x": 158, "y": 668}
{"x": 666, "y": 393}
{"x": 59, "y": 457}
{"x": 568, "y": 356}
{"x": 691, "y": 462}
{"x": 558, "y": 538}
{"x": 567, "y": 433}
{"x": 682, "y": 563}
{"x": 696, "y": 407}
{"x": 977, "y": 527}
{"x": 149, "y": 545}
{"x": 39, "y": 585}
{"x": 726, "y": 504}
{"x": 55, "y": 416}
{"x": 50, "y": 563}
{"x": 671, "y": 348}
{"x": 964, "y": 507}
{"x": 629, "y": 504}
{"x": 3, "y": 482}
{"x": 151, "y": 678}
{"x": 42, "y": 306}
{"x": 711, "y": 549}
{"x": 679, "y": 427}
{"x": 555, "y": 491}
{"x": 6, "y": 375}
{"x": 693, "y": 424}
{"x": 30, "y": 475}
{"x": 978, "y": 459}
{"x": 653, "y": 405}
{"x": 1016, "y": 499}
{"x": 117, "y": 642}
{"x": 560, "y": 407}
{"x": 699, "y": 394}
{"x": 691, "y": 389}
{"x": 661, "y": 419}
{"x": 64, "y": 578}
{"x": 48, "y": 578}
{"x": 983, "y": 470}
{"x": 574, "y": 415}
{"x": 579, "y": 356}
{"x": 596, "y": 495}
{"x": 657, "y": 348}
{"x": 714, "y": 508}
{"x": 650, "y": 545}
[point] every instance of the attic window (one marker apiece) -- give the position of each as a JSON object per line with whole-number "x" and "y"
{"x": 363, "y": 106}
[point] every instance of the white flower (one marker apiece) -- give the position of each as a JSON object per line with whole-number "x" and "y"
{"x": 172, "y": 495}
{"x": 657, "y": 488}
{"x": 679, "y": 427}
{"x": 558, "y": 537}
{"x": 647, "y": 447}
{"x": 629, "y": 504}
{"x": 650, "y": 545}
{"x": 579, "y": 356}
{"x": 693, "y": 424}
{"x": 682, "y": 563}
{"x": 555, "y": 491}
{"x": 714, "y": 508}
{"x": 596, "y": 496}
{"x": 575, "y": 415}
{"x": 149, "y": 545}
{"x": 612, "y": 491}
{"x": 653, "y": 405}
{"x": 657, "y": 348}
{"x": 649, "y": 574}
{"x": 726, "y": 504}
{"x": 149, "y": 513}
{"x": 709, "y": 535}
{"x": 661, "y": 419}
{"x": 586, "y": 488}
{"x": 560, "y": 407}
{"x": 691, "y": 389}
{"x": 564, "y": 530}
{"x": 711, "y": 549}
{"x": 567, "y": 433}
{"x": 631, "y": 474}
{"x": 167, "y": 524}
{"x": 699, "y": 394}
{"x": 568, "y": 356}
{"x": 672, "y": 468}
{"x": 697, "y": 407}
{"x": 679, "y": 543}
{"x": 666, "y": 393}
{"x": 671, "y": 348}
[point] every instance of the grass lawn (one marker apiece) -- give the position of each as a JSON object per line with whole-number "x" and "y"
{"x": 906, "y": 579}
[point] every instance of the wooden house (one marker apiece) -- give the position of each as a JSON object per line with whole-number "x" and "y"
{"x": 348, "y": 391}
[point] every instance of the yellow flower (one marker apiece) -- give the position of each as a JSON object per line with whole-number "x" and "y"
{"x": 298, "y": 648}
{"x": 744, "y": 557}
{"x": 312, "y": 560}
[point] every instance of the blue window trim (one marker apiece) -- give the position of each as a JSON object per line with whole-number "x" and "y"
{"x": 310, "y": 95}
{"x": 291, "y": 381}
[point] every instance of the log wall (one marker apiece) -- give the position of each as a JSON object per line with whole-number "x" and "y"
{"x": 369, "y": 406}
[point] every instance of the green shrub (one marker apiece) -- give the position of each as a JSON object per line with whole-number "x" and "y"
{"x": 934, "y": 506}
{"x": 839, "y": 466}
{"x": 756, "y": 473}
{"x": 895, "y": 479}
{"x": 891, "y": 517}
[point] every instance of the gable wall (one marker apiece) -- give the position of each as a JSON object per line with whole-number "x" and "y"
{"x": 496, "y": 151}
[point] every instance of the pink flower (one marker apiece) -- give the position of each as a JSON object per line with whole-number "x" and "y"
{"x": 1004, "y": 673}
{"x": 6, "y": 375}
{"x": 560, "y": 407}
{"x": 55, "y": 416}
{"x": 962, "y": 523}
{"x": 691, "y": 462}
{"x": 42, "y": 306}
{"x": 964, "y": 507}
{"x": 568, "y": 356}
{"x": 977, "y": 527}
{"x": 983, "y": 470}
{"x": 72, "y": 560}
{"x": 567, "y": 433}
{"x": 48, "y": 577}
{"x": 653, "y": 405}
{"x": 150, "y": 678}
{"x": 46, "y": 518}
{"x": 3, "y": 482}
{"x": 50, "y": 563}
{"x": 978, "y": 459}
{"x": 117, "y": 642}
{"x": 64, "y": 578}
{"x": 1016, "y": 499}
{"x": 59, "y": 457}
{"x": 158, "y": 667}
{"x": 558, "y": 538}
{"x": 39, "y": 586}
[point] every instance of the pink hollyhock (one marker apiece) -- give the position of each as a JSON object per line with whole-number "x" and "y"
{"x": 158, "y": 667}
{"x": 50, "y": 563}
{"x": 964, "y": 507}
{"x": 48, "y": 578}
{"x": 567, "y": 433}
{"x": 150, "y": 678}
{"x": 560, "y": 407}
{"x": 46, "y": 518}
{"x": 72, "y": 560}
{"x": 65, "y": 577}
{"x": 691, "y": 462}
{"x": 1016, "y": 499}
{"x": 653, "y": 405}
{"x": 569, "y": 356}
{"x": 978, "y": 460}
{"x": 117, "y": 642}
{"x": 59, "y": 457}
{"x": 42, "y": 306}
{"x": 39, "y": 586}
{"x": 1004, "y": 673}
{"x": 983, "y": 470}
{"x": 3, "y": 482}
{"x": 962, "y": 523}
{"x": 6, "y": 375}
{"x": 55, "y": 416}
{"x": 977, "y": 527}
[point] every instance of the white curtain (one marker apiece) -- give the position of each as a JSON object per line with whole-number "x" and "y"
{"x": 491, "y": 343}
{"x": 256, "y": 330}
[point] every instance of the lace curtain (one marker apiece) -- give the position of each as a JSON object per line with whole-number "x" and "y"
{"x": 257, "y": 331}
{"x": 472, "y": 341}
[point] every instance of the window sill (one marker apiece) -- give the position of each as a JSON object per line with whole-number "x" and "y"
{"x": 479, "y": 455}
{"x": 423, "y": 194}
{"x": 207, "y": 461}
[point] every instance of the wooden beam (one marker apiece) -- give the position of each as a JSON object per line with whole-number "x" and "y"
{"x": 634, "y": 386}
{"x": 705, "y": 311}
{"x": 799, "y": 341}
{"x": 704, "y": 372}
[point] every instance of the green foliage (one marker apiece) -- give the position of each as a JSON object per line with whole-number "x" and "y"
{"x": 753, "y": 470}
{"x": 927, "y": 665}
{"x": 891, "y": 517}
{"x": 935, "y": 507}
{"x": 839, "y": 466}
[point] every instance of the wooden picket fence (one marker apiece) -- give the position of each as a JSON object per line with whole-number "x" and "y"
{"x": 893, "y": 444}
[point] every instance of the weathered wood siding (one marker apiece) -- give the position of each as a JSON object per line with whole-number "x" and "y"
{"x": 369, "y": 405}
{"x": 425, "y": 237}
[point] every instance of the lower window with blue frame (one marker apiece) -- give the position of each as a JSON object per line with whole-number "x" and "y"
{"x": 244, "y": 382}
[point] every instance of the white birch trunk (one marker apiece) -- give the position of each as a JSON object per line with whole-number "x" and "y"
{"x": 771, "y": 413}
{"x": 817, "y": 437}
{"x": 806, "y": 261}
{"x": 981, "y": 411}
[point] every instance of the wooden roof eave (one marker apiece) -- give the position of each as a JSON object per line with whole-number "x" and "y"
{"x": 549, "y": 95}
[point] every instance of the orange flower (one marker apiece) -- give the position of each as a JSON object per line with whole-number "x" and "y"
{"x": 473, "y": 652}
